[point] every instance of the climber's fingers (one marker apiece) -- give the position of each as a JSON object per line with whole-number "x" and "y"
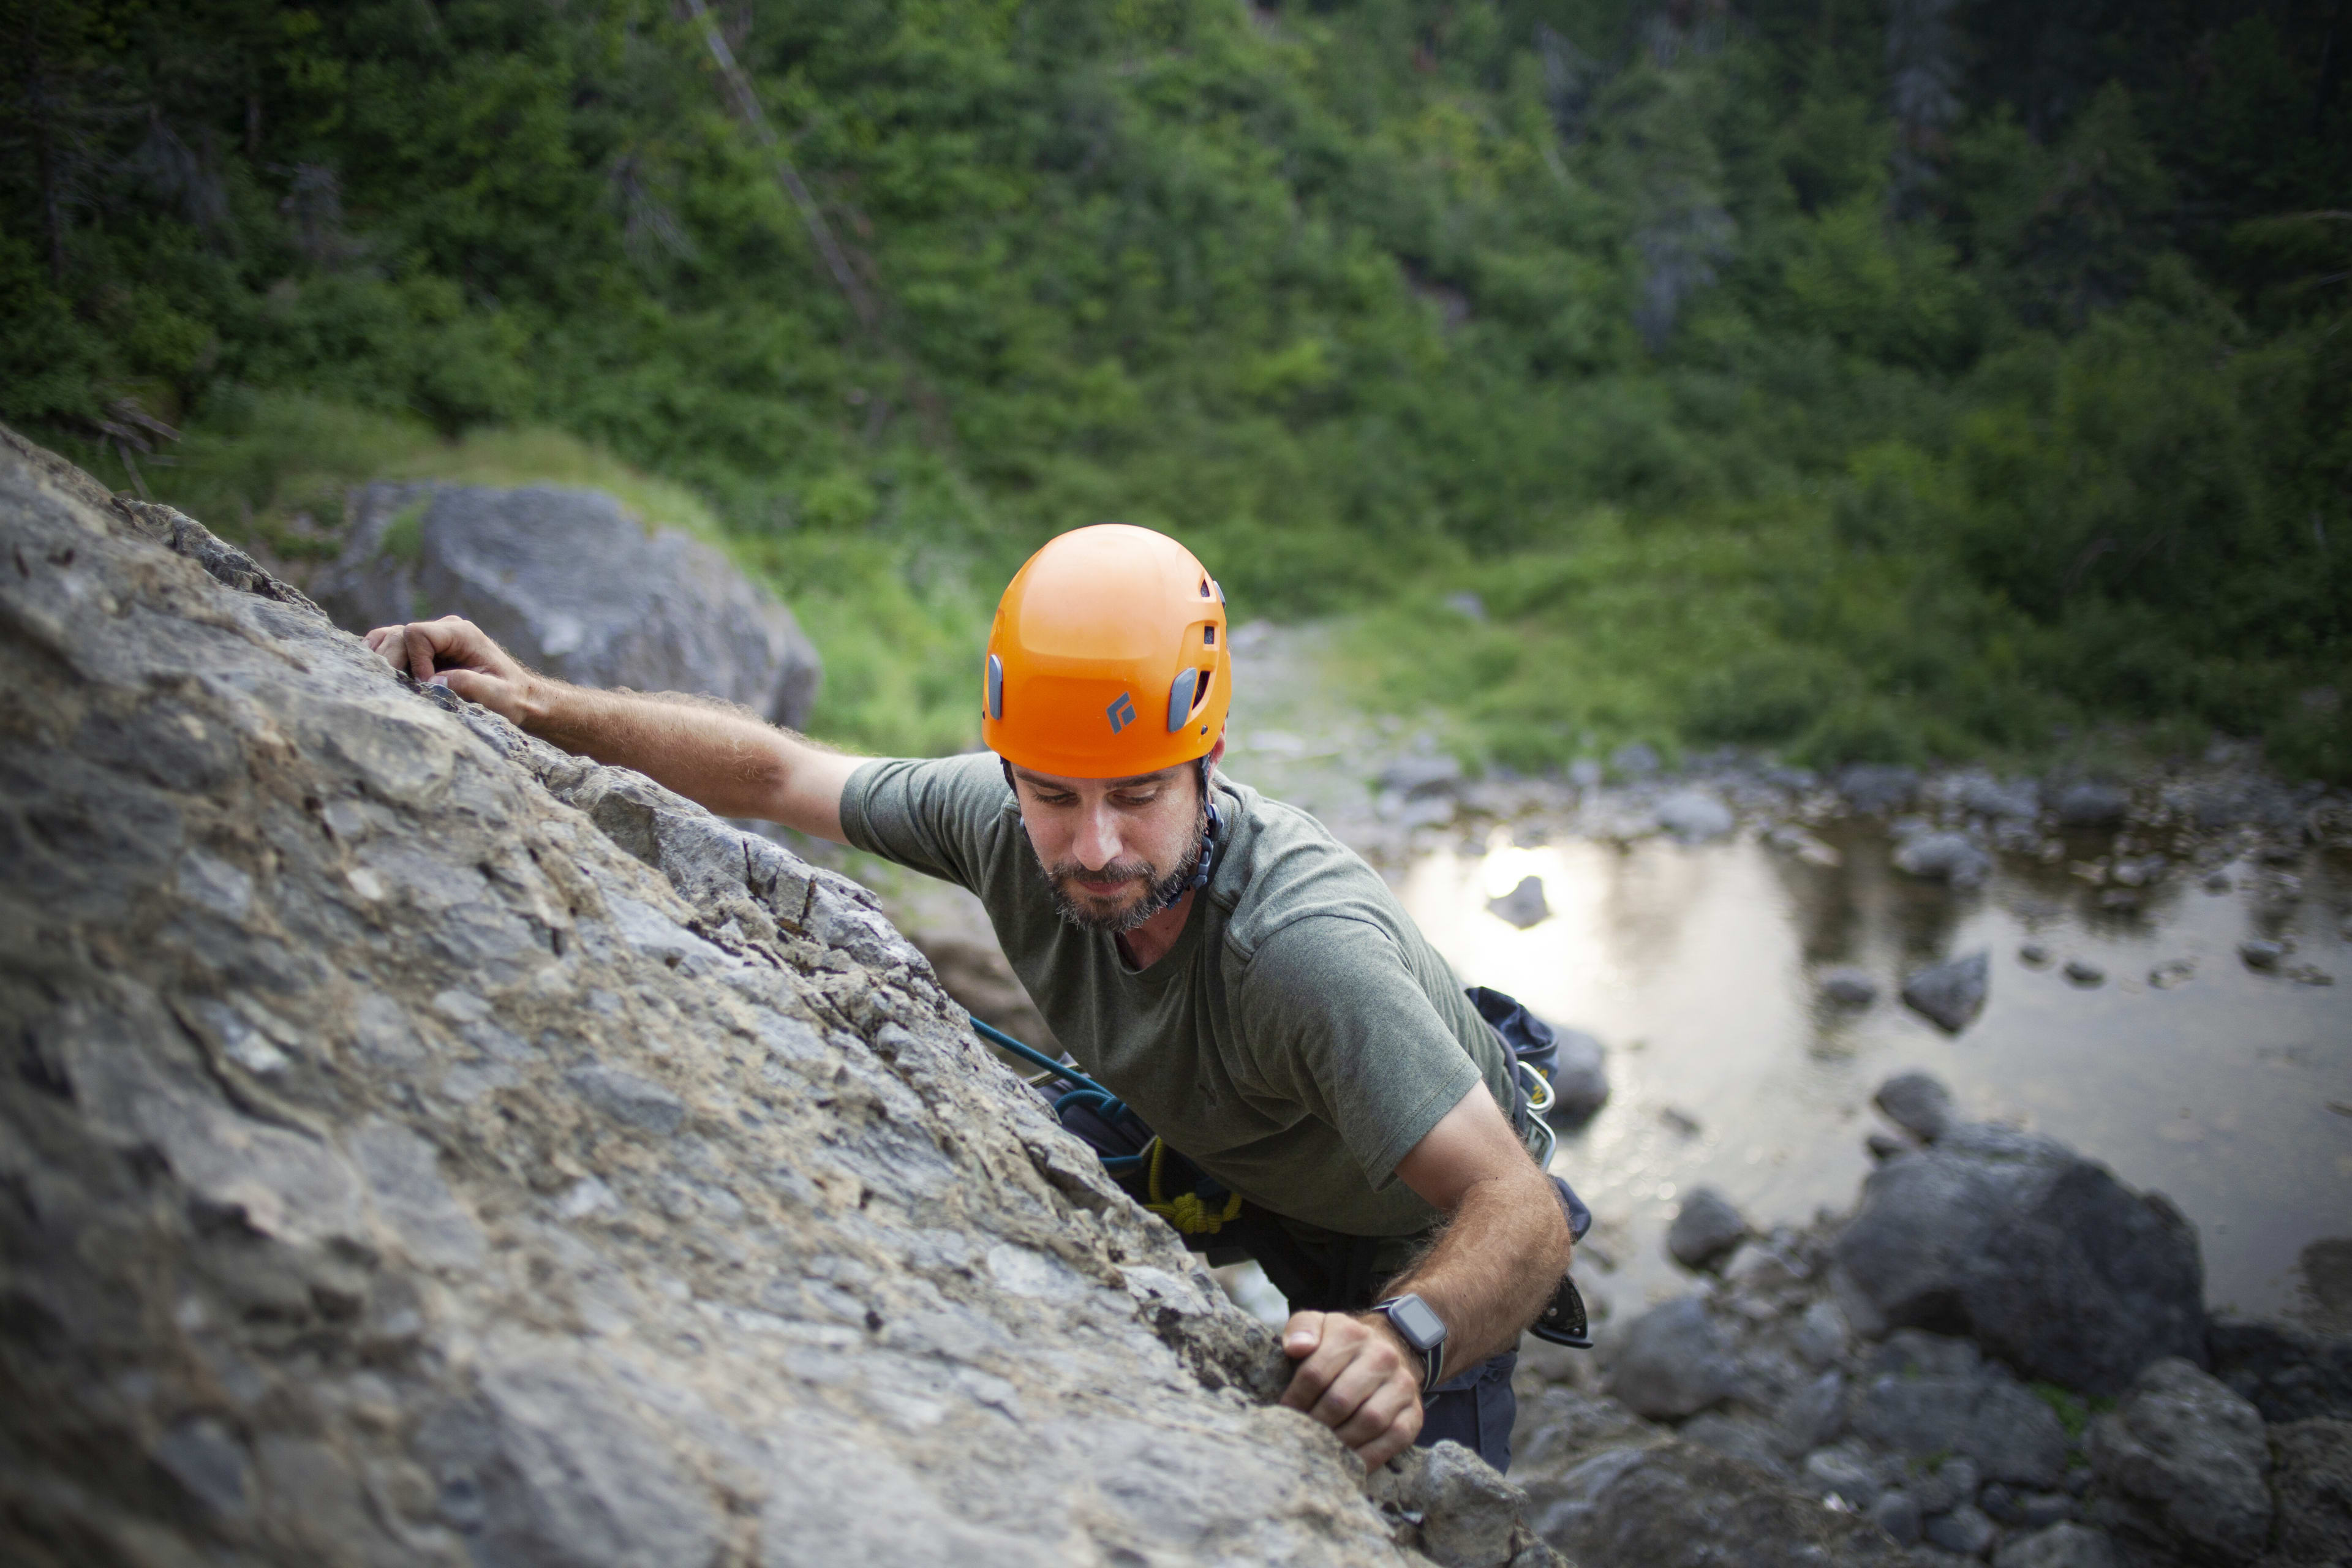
{"x": 1355, "y": 1377}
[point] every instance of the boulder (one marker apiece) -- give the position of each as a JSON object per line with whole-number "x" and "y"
{"x": 1926, "y": 1396}
{"x": 1952, "y": 857}
{"x": 1706, "y": 1229}
{"x": 1672, "y": 1361}
{"x": 2311, "y": 1485}
{"x": 2184, "y": 1456}
{"x": 2288, "y": 1373}
{"x": 1848, "y": 986}
{"x": 2059, "y": 1546}
{"x": 2089, "y": 804}
{"x": 1918, "y": 1102}
{"x": 1580, "y": 1081}
{"x": 1605, "y": 1489}
{"x": 1952, "y": 993}
{"x": 1523, "y": 906}
{"x": 573, "y": 584}
{"x": 1693, "y": 815}
{"x": 421, "y": 1146}
{"x": 2044, "y": 1257}
{"x": 1449, "y": 1503}
{"x": 1965, "y": 1532}
{"x": 1414, "y": 778}
{"x": 1876, "y": 790}
{"x": 1981, "y": 795}
{"x": 1635, "y": 760}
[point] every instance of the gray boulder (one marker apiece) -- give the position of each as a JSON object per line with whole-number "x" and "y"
{"x": 1928, "y": 1397}
{"x": 1605, "y": 1489}
{"x": 1876, "y": 790}
{"x": 1848, "y": 986}
{"x": 1706, "y": 1229}
{"x": 1952, "y": 993}
{"x": 2059, "y": 1546}
{"x": 1693, "y": 815}
{"x": 1952, "y": 857}
{"x": 1965, "y": 1532}
{"x": 1918, "y": 1102}
{"x": 1672, "y": 1361}
{"x": 1580, "y": 1083}
{"x": 2288, "y": 1373}
{"x": 1523, "y": 906}
{"x": 2089, "y": 804}
{"x": 1416, "y": 778}
{"x": 818, "y": 1281}
{"x": 2042, "y": 1256}
{"x": 2184, "y": 1456}
{"x": 1981, "y": 795}
{"x": 2311, "y": 1485}
{"x": 574, "y": 586}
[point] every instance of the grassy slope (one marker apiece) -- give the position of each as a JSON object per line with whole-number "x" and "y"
{"x": 1624, "y": 324}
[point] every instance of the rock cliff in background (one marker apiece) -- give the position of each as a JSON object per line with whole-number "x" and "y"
{"x": 574, "y": 587}
{"x": 418, "y": 1146}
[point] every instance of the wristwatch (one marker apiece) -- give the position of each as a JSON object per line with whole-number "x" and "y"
{"x": 1418, "y": 1325}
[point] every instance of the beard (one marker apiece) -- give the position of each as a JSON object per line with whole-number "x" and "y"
{"x": 1161, "y": 889}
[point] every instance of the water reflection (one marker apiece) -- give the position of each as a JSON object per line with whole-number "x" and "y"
{"x": 2184, "y": 1071}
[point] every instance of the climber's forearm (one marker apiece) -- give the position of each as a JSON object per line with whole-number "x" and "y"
{"x": 725, "y": 758}
{"x": 722, "y": 758}
{"x": 1496, "y": 1264}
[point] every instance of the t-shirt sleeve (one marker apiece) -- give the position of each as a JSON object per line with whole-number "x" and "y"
{"x": 1335, "y": 1019}
{"x": 934, "y": 816}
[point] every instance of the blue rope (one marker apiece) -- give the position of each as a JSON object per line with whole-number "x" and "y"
{"x": 1105, "y": 1104}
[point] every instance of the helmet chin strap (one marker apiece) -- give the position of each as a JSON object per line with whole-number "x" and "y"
{"x": 1208, "y": 860}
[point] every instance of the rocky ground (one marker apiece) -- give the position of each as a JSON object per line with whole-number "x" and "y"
{"x": 2001, "y": 1355}
{"x": 420, "y": 1145}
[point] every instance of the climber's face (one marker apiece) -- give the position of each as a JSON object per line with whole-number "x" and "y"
{"x": 1117, "y": 851}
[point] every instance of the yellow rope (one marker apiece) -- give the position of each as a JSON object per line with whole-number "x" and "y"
{"x": 1186, "y": 1212}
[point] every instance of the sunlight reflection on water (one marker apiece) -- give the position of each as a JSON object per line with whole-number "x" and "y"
{"x": 1697, "y": 966}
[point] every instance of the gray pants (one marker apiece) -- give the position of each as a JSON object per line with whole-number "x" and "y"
{"x": 1475, "y": 1408}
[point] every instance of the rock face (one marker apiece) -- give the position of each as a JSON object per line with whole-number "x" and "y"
{"x": 2056, "y": 1267}
{"x": 573, "y": 585}
{"x": 418, "y": 1146}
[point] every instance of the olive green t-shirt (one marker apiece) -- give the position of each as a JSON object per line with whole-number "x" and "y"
{"x": 1297, "y": 1042}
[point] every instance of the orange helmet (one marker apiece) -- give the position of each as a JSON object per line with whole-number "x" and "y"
{"x": 1107, "y": 658}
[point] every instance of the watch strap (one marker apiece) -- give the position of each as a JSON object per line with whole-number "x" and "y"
{"x": 1433, "y": 1354}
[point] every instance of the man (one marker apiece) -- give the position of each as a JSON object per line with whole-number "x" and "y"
{"x": 1246, "y": 984}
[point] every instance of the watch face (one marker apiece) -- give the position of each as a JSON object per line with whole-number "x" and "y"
{"x": 1420, "y": 1327}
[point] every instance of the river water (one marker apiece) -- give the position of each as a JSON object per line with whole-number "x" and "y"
{"x": 2227, "y": 1089}
{"x": 2186, "y": 1072}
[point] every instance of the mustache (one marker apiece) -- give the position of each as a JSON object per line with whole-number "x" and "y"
{"x": 1117, "y": 872}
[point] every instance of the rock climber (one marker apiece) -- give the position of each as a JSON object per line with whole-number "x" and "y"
{"x": 1332, "y": 1101}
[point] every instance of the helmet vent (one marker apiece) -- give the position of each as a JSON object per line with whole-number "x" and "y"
{"x": 1179, "y": 698}
{"x": 1208, "y": 636}
{"x": 996, "y": 689}
{"x": 1204, "y": 587}
{"x": 1201, "y": 692}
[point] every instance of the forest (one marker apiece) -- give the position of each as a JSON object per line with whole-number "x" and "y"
{"x": 1890, "y": 380}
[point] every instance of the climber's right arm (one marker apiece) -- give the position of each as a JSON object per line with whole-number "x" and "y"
{"x": 726, "y": 759}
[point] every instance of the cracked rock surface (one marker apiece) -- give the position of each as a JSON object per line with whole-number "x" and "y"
{"x": 418, "y": 1146}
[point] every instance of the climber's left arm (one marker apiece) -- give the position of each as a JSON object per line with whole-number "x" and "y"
{"x": 1496, "y": 1264}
